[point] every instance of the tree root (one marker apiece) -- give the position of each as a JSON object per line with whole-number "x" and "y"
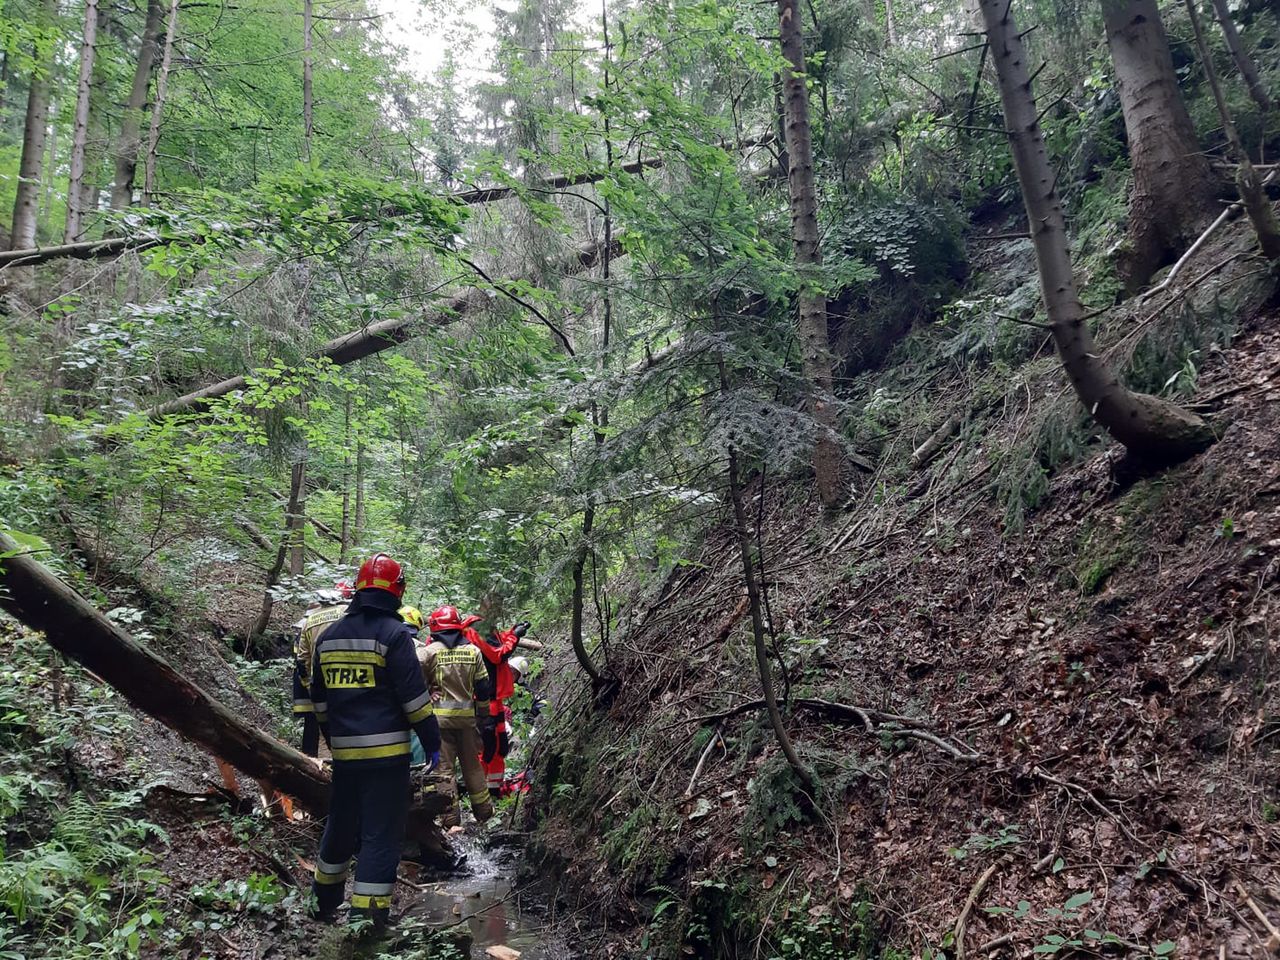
{"x": 872, "y": 721}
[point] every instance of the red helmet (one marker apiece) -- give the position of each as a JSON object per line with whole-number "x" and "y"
{"x": 444, "y": 618}
{"x": 344, "y": 589}
{"x": 381, "y": 573}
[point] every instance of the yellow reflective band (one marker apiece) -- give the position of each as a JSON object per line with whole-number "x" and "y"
{"x": 371, "y": 753}
{"x": 481, "y": 797}
{"x": 352, "y": 656}
{"x": 327, "y": 879}
{"x": 361, "y": 901}
{"x": 455, "y": 712}
{"x": 304, "y": 708}
{"x": 421, "y": 714}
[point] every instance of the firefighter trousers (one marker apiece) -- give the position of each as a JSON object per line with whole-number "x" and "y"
{"x": 460, "y": 747}
{"x": 310, "y": 735}
{"x": 368, "y": 809}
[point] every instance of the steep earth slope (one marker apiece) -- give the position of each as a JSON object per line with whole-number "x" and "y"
{"x": 1037, "y": 684}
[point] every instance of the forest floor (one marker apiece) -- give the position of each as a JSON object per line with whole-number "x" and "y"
{"x": 1067, "y": 738}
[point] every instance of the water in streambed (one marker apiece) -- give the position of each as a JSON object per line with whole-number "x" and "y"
{"x": 496, "y": 908}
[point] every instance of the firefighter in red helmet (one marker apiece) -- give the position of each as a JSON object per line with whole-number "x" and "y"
{"x": 498, "y": 648}
{"x": 455, "y": 672}
{"x": 368, "y": 695}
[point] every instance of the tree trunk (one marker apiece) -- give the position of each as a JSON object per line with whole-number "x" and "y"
{"x": 890, "y": 31}
{"x": 579, "y": 591}
{"x": 357, "y": 537}
{"x": 816, "y": 352}
{"x": 307, "y": 121}
{"x": 375, "y": 337}
{"x": 157, "y": 106}
{"x": 46, "y": 204}
{"x": 73, "y": 627}
{"x": 96, "y": 145}
{"x": 127, "y": 144}
{"x": 1244, "y": 63}
{"x": 80, "y": 136}
{"x": 1252, "y": 194}
{"x": 1173, "y": 190}
{"x": 1148, "y": 426}
{"x": 344, "y": 543}
{"x": 292, "y": 511}
{"x": 297, "y": 520}
{"x": 802, "y": 772}
{"x": 26, "y": 205}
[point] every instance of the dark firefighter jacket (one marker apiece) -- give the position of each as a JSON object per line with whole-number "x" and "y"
{"x": 313, "y": 624}
{"x": 454, "y": 667}
{"x": 367, "y": 688}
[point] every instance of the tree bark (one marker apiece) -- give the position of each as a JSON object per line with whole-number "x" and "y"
{"x": 1173, "y": 189}
{"x": 26, "y": 202}
{"x": 72, "y": 626}
{"x": 1261, "y": 214}
{"x": 1147, "y": 426}
{"x": 815, "y": 348}
{"x": 80, "y": 136}
{"x": 374, "y": 338}
{"x": 157, "y": 106}
{"x": 127, "y": 144}
{"x": 1244, "y": 63}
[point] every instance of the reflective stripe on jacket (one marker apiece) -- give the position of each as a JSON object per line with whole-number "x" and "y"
{"x": 366, "y": 688}
{"x": 454, "y": 670}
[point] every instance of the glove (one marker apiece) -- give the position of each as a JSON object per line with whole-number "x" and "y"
{"x": 504, "y": 742}
{"x": 488, "y": 738}
{"x": 433, "y": 761}
{"x": 521, "y": 628}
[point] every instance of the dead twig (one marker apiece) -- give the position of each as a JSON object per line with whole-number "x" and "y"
{"x": 706, "y": 752}
{"x": 1273, "y": 944}
{"x": 963, "y": 920}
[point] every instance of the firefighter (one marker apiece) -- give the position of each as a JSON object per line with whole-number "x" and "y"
{"x": 455, "y": 671}
{"x": 329, "y": 606}
{"x": 498, "y": 648}
{"x": 413, "y": 617}
{"x": 368, "y": 695}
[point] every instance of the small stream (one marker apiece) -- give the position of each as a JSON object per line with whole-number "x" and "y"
{"x": 498, "y": 910}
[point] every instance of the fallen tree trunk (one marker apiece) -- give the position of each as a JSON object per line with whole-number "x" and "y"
{"x": 73, "y": 627}
{"x": 358, "y": 344}
{"x": 114, "y": 246}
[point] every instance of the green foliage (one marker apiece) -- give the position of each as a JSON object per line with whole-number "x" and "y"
{"x": 777, "y": 804}
{"x": 87, "y": 890}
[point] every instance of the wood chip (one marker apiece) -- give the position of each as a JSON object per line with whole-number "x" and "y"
{"x": 502, "y": 953}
